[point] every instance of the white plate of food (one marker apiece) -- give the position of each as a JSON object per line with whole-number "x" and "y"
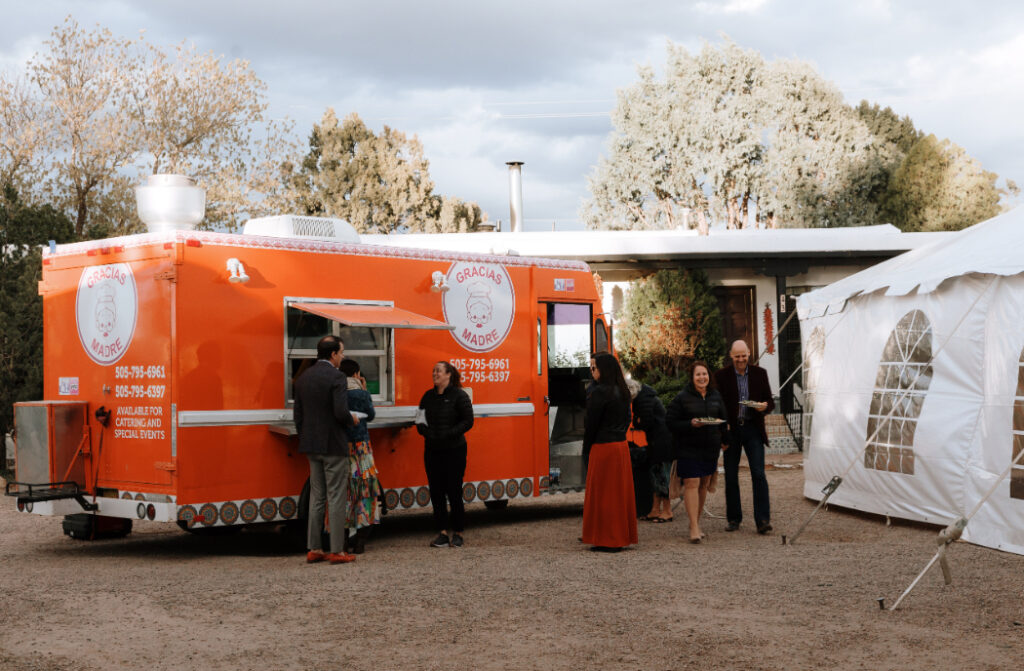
{"x": 751, "y": 404}
{"x": 709, "y": 421}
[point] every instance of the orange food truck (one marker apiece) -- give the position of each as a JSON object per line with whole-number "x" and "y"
{"x": 169, "y": 358}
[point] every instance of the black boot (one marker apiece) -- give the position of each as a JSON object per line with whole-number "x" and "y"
{"x": 359, "y": 541}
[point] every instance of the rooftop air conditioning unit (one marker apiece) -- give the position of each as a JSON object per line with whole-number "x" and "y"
{"x": 306, "y": 228}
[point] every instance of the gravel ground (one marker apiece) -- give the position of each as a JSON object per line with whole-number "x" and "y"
{"x": 522, "y": 594}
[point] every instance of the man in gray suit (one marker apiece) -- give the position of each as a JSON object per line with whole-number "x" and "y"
{"x": 321, "y": 415}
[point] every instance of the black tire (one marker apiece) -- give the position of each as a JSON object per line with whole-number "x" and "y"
{"x": 198, "y": 530}
{"x": 297, "y": 529}
{"x": 499, "y": 504}
{"x": 89, "y": 527}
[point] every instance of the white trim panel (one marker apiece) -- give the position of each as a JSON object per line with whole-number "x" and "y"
{"x": 388, "y": 414}
{"x": 110, "y": 507}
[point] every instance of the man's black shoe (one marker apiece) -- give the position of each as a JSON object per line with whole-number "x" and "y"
{"x": 764, "y": 527}
{"x": 456, "y": 540}
{"x": 440, "y": 542}
{"x": 732, "y": 526}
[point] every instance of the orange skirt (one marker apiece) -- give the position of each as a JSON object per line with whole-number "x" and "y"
{"x": 609, "y": 506}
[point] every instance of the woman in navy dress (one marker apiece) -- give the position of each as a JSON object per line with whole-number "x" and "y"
{"x": 697, "y": 419}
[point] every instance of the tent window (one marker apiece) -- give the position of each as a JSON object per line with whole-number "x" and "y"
{"x": 1017, "y": 473}
{"x": 904, "y": 375}
{"x": 813, "y": 357}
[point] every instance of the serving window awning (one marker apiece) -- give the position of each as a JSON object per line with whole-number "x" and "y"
{"x": 372, "y": 316}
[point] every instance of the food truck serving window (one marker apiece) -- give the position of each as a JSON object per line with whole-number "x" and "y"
{"x": 366, "y": 330}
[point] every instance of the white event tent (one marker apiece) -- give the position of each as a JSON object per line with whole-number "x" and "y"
{"x": 914, "y": 379}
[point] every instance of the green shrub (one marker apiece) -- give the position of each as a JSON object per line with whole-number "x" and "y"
{"x": 670, "y": 320}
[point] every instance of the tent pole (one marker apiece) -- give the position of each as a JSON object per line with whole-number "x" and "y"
{"x": 946, "y": 536}
{"x": 832, "y": 485}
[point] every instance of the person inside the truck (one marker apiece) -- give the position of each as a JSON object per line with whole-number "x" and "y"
{"x": 364, "y": 487}
{"x": 609, "y": 505}
{"x": 447, "y": 414}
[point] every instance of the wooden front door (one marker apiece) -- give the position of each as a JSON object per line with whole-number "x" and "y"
{"x": 738, "y": 320}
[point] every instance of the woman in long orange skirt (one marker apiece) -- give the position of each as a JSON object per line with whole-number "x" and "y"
{"x": 609, "y": 506}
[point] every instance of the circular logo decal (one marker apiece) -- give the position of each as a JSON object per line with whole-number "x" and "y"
{"x": 498, "y": 489}
{"x": 229, "y": 512}
{"x": 208, "y": 513}
{"x": 268, "y": 509}
{"x": 408, "y": 497}
{"x": 187, "y": 514}
{"x": 480, "y": 304}
{"x": 248, "y": 511}
{"x": 483, "y": 490}
{"x": 287, "y": 508}
{"x": 105, "y": 310}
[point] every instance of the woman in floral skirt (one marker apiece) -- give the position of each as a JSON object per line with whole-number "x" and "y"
{"x": 364, "y": 487}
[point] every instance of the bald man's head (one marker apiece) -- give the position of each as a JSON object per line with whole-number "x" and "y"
{"x": 740, "y": 354}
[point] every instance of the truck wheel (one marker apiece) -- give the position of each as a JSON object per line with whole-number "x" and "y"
{"x": 297, "y": 529}
{"x": 210, "y": 531}
{"x": 500, "y": 504}
{"x": 89, "y": 527}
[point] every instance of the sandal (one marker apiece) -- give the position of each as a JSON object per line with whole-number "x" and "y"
{"x": 660, "y": 520}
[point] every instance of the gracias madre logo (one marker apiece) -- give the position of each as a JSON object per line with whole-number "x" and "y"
{"x": 481, "y": 305}
{"x": 105, "y": 311}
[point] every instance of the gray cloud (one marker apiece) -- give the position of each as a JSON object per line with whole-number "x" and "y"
{"x": 482, "y": 83}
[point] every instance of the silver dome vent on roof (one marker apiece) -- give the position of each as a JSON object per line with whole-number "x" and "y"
{"x": 308, "y": 228}
{"x": 170, "y": 202}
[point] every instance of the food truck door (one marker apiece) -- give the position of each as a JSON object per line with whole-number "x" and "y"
{"x": 564, "y": 347}
{"x": 139, "y": 450}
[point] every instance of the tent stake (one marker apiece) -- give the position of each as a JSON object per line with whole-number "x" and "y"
{"x": 832, "y": 485}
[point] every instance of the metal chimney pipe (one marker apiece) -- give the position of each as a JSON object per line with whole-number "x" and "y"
{"x": 515, "y": 195}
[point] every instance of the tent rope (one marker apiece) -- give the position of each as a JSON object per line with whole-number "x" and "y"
{"x": 837, "y": 480}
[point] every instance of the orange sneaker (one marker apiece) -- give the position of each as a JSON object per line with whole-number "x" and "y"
{"x": 340, "y": 558}
{"x": 313, "y": 556}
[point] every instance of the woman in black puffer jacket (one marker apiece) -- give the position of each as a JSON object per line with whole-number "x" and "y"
{"x": 693, "y": 417}
{"x": 447, "y": 414}
{"x": 649, "y": 417}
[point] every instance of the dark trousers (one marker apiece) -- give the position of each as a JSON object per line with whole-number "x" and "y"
{"x": 445, "y": 469}
{"x": 747, "y": 437}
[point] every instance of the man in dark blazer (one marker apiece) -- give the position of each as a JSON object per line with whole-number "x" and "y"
{"x": 736, "y": 383}
{"x": 321, "y": 415}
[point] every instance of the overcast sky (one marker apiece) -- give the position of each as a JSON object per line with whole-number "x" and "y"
{"x": 482, "y": 83}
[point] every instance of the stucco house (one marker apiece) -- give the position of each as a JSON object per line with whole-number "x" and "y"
{"x": 757, "y": 275}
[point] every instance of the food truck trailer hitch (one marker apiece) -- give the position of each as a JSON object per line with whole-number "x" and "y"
{"x": 29, "y": 493}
